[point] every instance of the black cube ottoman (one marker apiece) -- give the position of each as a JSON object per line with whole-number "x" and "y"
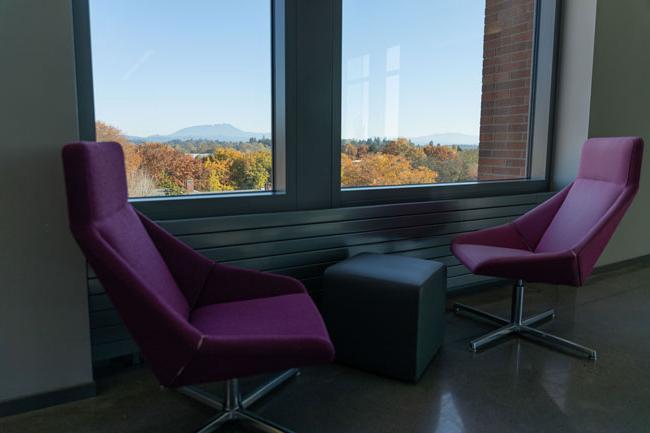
{"x": 386, "y": 313}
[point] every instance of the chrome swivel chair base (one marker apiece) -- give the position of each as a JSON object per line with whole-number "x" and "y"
{"x": 519, "y": 326}
{"x": 235, "y": 407}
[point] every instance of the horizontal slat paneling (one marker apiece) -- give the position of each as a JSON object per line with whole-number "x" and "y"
{"x": 303, "y": 244}
{"x": 247, "y": 222}
{"x": 113, "y": 349}
{"x": 109, "y": 334}
{"x": 415, "y": 237}
{"x": 237, "y": 237}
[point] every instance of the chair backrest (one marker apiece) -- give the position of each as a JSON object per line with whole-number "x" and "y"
{"x": 121, "y": 252}
{"x": 607, "y": 181}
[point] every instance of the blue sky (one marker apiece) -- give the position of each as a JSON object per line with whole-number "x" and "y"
{"x": 424, "y": 61}
{"x": 162, "y": 65}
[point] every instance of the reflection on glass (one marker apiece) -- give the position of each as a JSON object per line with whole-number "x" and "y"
{"x": 424, "y": 82}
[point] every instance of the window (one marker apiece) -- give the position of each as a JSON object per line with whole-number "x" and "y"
{"x": 235, "y": 107}
{"x": 435, "y": 91}
{"x": 185, "y": 88}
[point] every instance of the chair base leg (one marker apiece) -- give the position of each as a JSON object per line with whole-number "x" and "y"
{"x": 235, "y": 407}
{"x": 517, "y": 325}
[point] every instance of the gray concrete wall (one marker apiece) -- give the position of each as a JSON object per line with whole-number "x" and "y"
{"x": 573, "y": 88}
{"x": 603, "y": 90}
{"x": 44, "y": 333}
{"x": 620, "y": 105}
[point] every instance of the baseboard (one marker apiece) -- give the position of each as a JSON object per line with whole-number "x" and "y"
{"x": 641, "y": 260}
{"x": 477, "y": 287}
{"x": 47, "y": 399}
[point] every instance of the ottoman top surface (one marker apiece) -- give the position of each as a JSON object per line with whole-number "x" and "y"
{"x": 392, "y": 268}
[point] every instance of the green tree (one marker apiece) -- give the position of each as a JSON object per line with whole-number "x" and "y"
{"x": 252, "y": 170}
{"x": 220, "y": 170}
{"x": 405, "y": 148}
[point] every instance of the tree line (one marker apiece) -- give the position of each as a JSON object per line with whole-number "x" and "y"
{"x": 377, "y": 162}
{"x": 194, "y": 166}
{"x": 163, "y": 169}
{"x": 209, "y": 146}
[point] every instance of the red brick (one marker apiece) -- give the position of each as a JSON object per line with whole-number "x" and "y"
{"x": 507, "y": 54}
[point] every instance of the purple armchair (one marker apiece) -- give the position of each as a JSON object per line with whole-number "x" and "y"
{"x": 559, "y": 241}
{"x": 195, "y": 321}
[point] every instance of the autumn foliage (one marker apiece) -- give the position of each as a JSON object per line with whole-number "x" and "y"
{"x": 383, "y": 169}
{"x": 400, "y": 162}
{"x": 162, "y": 169}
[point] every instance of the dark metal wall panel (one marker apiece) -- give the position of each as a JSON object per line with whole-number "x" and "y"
{"x": 303, "y": 244}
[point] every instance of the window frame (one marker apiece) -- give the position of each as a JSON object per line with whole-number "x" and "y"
{"x": 540, "y": 127}
{"x": 306, "y": 105}
{"x": 282, "y": 96}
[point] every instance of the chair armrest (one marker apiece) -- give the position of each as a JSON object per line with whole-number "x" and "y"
{"x": 533, "y": 224}
{"x": 592, "y": 245}
{"x": 189, "y": 268}
{"x": 229, "y": 283}
{"x": 523, "y": 233}
{"x": 163, "y": 334}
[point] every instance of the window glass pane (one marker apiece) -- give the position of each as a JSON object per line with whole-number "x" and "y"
{"x": 185, "y": 87}
{"x": 427, "y": 83}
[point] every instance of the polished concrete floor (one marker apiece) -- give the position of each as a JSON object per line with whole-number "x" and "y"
{"x": 516, "y": 386}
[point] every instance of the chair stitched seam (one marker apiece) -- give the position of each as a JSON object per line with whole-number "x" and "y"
{"x": 522, "y": 237}
{"x": 629, "y": 168}
{"x": 205, "y": 282}
{"x": 189, "y": 361}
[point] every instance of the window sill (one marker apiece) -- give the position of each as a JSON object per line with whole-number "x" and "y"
{"x": 209, "y": 205}
{"x": 413, "y": 193}
{"x": 212, "y": 205}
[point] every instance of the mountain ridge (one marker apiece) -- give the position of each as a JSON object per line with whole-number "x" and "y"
{"x": 230, "y": 133}
{"x": 447, "y": 138}
{"x": 217, "y": 131}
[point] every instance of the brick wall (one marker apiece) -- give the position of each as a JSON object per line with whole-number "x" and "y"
{"x": 507, "y": 58}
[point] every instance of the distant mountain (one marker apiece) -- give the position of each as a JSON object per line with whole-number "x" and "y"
{"x": 448, "y": 138}
{"x": 218, "y": 132}
{"x": 228, "y": 132}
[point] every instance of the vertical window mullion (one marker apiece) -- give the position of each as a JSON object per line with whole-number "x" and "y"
{"x": 337, "y": 36}
{"x": 315, "y": 86}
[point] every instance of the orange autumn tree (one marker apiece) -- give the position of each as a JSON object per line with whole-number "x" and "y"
{"x": 451, "y": 163}
{"x": 106, "y": 132}
{"x": 172, "y": 169}
{"x": 219, "y": 165}
{"x": 378, "y": 169}
{"x": 442, "y": 153}
{"x": 158, "y": 168}
{"x": 139, "y": 182}
{"x": 219, "y": 174}
{"x": 405, "y": 148}
{"x": 154, "y": 168}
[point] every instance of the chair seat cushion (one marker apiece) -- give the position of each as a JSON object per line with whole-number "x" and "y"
{"x": 514, "y": 263}
{"x": 476, "y": 257}
{"x": 257, "y": 336}
{"x": 286, "y": 316}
